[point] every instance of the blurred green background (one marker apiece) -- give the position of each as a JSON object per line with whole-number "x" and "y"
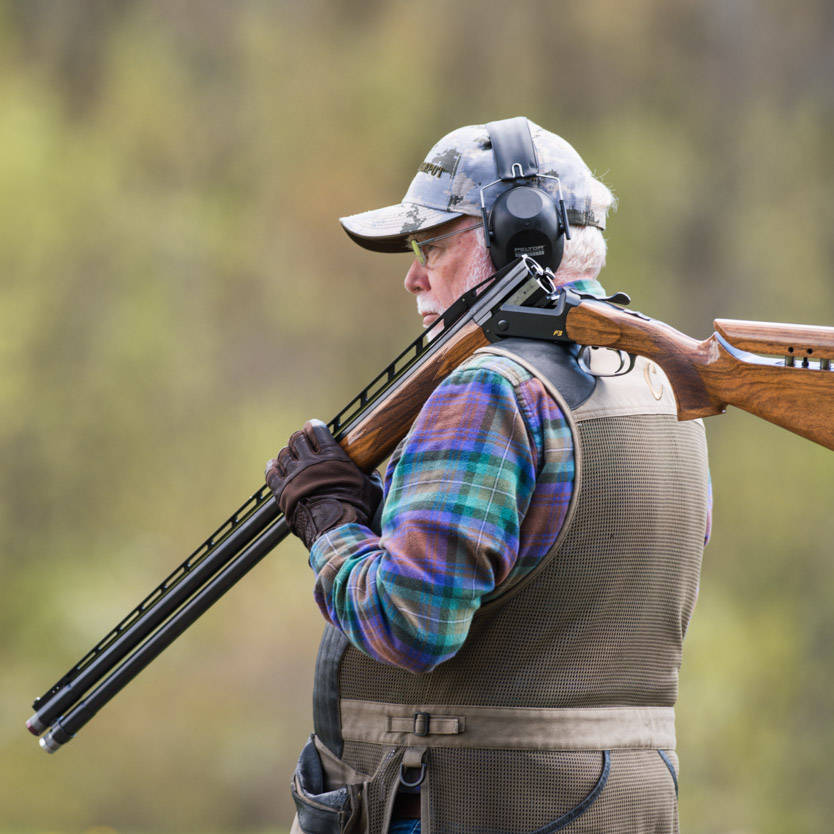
{"x": 176, "y": 297}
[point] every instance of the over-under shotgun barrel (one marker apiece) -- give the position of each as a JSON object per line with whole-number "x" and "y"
{"x": 133, "y": 634}
{"x": 368, "y": 428}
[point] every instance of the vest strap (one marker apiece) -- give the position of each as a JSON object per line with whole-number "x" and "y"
{"x": 592, "y": 728}
{"x": 425, "y": 724}
{"x": 413, "y": 757}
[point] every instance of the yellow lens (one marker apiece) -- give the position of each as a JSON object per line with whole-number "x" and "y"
{"x": 418, "y": 252}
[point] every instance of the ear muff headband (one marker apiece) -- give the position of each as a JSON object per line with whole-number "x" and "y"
{"x": 524, "y": 219}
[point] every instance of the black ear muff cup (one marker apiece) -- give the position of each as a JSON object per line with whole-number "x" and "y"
{"x": 524, "y": 221}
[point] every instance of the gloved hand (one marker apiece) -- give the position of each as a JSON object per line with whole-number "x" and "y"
{"x": 317, "y": 486}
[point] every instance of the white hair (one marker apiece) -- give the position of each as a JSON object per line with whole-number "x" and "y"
{"x": 584, "y": 255}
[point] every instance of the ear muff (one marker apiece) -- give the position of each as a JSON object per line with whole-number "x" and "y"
{"x": 524, "y": 220}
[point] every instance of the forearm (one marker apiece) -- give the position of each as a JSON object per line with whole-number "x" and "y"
{"x": 363, "y": 590}
{"x": 455, "y": 501}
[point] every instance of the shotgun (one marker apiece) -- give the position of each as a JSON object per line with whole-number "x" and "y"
{"x": 779, "y": 372}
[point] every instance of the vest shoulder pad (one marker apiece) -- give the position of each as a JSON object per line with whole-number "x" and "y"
{"x": 554, "y": 363}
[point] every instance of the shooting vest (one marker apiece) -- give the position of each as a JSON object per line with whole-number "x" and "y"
{"x": 557, "y": 712}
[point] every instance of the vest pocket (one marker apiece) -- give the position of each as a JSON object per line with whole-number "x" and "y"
{"x": 320, "y": 807}
{"x": 578, "y": 810}
{"x": 667, "y": 760}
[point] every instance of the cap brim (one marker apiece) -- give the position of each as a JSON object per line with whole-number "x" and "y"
{"x": 388, "y": 229}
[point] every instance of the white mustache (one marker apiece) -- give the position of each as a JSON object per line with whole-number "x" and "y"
{"x": 427, "y": 309}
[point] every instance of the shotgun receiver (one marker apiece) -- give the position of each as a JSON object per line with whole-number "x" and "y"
{"x": 737, "y": 366}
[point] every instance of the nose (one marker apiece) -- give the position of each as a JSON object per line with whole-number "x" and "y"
{"x": 417, "y": 278}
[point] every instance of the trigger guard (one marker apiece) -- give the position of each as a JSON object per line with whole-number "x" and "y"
{"x": 627, "y": 362}
{"x": 582, "y": 362}
{"x": 626, "y": 359}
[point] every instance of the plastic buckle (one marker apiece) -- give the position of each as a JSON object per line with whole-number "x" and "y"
{"x": 422, "y": 722}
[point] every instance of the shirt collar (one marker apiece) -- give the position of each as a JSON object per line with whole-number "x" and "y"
{"x": 589, "y": 285}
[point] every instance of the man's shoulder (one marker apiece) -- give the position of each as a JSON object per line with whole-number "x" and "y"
{"x": 499, "y": 381}
{"x": 553, "y": 365}
{"x": 480, "y": 389}
{"x": 503, "y": 368}
{"x": 536, "y": 373}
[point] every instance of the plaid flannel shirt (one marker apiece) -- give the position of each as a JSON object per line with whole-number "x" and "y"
{"x": 474, "y": 498}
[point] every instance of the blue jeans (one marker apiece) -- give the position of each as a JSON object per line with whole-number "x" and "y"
{"x": 403, "y": 826}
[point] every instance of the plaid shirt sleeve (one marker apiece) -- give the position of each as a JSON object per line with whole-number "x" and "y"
{"x": 471, "y": 506}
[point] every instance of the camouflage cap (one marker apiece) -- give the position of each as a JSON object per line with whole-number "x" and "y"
{"x": 449, "y": 182}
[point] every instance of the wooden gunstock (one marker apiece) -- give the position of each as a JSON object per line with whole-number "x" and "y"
{"x": 708, "y": 376}
{"x": 798, "y": 399}
{"x": 684, "y": 359}
{"x": 799, "y": 341}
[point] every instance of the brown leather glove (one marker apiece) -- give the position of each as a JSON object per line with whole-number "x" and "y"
{"x": 317, "y": 486}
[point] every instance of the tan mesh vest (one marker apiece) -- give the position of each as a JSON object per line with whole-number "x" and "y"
{"x": 581, "y": 657}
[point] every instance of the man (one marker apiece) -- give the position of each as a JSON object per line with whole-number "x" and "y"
{"x": 503, "y": 649}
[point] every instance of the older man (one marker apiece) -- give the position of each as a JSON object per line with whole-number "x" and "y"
{"x": 504, "y": 643}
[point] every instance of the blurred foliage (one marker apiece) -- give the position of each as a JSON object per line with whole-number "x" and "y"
{"x": 177, "y": 297}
